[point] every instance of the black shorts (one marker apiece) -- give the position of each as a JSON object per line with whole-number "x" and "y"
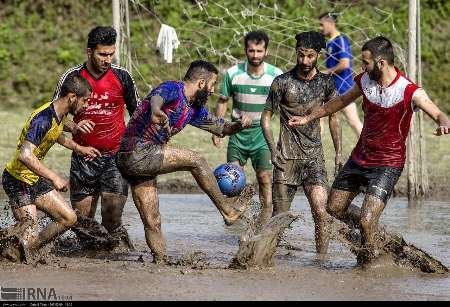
{"x": 91, "y": 177}
{"x": 141, "y": 164}
{"x": 377, "y": 181}
{"x": 23, "y": 194}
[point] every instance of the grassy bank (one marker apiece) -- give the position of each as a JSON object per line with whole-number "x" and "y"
{"x": 437, "y": 151}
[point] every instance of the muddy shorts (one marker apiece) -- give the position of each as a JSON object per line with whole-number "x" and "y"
{"x": 300, "y": 172}
{"x": 377, "y": 181}
{"x": 141, "y": 164}
{"x": 21, "y": 193}
{"x": 91, "y": 177}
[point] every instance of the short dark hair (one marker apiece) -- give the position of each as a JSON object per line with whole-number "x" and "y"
{"x": 200, "y": 70}
{"x": 75, "y": 84}
{"x": 380, "y": 46}
{"x": 101, "y": 36}
{"x": 311, "y": 40}
{"x": 257, "y": 36}
{"x": 329, "y": 15}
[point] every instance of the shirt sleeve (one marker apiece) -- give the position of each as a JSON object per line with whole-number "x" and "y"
{"x": 226, "y": 87}
{"x": 274, "y": 97}
{"x": 204, "y": 120}
{"x": 38, "y": 128}
{"x": 342, "y": 48}
{"x": 130, "y": 94}
{"x": 168, "y": 91}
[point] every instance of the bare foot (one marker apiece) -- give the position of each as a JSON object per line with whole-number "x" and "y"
{"x": 239, "y": 204}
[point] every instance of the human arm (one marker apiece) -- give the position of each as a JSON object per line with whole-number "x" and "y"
{"x": 334, "y": 105}
{"x": 90, "y": 153}
{"x": 84, "y": 126}
{"x": 422, "y": 101}
{"x": 221, "y": 109}
{"x": 277, "y": 159}
{"x": 27, "y": 157}
{"x": 336, "y": 136}
{"x": 158, "y": 116}
{"x": 130, "y": 95}
{"x": 342, "y": 65}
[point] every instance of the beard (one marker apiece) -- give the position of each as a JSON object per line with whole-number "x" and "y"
{"x": 307, "y": 68}
{"x": 201, "y": 97}
{"x": 255, "y": 62}
{"x": 375, "y": 74}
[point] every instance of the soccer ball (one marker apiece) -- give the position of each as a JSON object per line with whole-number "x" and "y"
{"x": 230, "y": 178}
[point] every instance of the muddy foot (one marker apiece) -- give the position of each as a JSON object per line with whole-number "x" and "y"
{"x": 239, "y": 204}
{"x": 121, "y": 240}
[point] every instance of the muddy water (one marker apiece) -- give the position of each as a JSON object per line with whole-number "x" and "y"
{"x": 192, "y": 224}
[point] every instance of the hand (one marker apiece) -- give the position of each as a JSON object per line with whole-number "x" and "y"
{"x": 441, "y": 130}
{"x": 84, "y": 126}
{"x": 337, "y": 164}
{"x": 297, "y": 121}
{"x": 245, "y": 121}
{"x": 60, "y": 184}
{"x": 89, "y": 153}
{"x": 278, "y": 160}
{"x": 217, "y": 141}
{"x": 160, "y": 118}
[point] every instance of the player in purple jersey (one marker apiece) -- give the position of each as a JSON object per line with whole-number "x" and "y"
{"x": 144, "y": 152}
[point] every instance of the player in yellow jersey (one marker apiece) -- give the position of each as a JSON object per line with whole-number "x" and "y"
{"x": 31, "y": 185}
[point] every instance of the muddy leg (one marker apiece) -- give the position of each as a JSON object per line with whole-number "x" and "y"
{"x": 371, "y": 210}
{"x": 145, "y": 196}
{"x": 338, "y": 204}
{"x": 178, "y": 159}
{"x": 60, "y": 211}
{"x": 317, "y": 198}
{"x": 265, "y": 195}
{"x": 283, "y": 195}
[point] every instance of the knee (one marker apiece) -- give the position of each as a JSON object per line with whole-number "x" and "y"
{"x": 264, "y": 178}
{"x": 199, "y": 161}
{"x": 69, "y": 219}
{"x": 334, "y": 211}
{"x": 366, "y": 223}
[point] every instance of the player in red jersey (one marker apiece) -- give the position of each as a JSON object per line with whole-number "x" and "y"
{"x": 389, "y": 99}
{"x": 101, "y": 125}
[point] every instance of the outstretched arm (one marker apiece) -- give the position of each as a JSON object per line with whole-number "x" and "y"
{"x": 232, "y": 128}
{"x": 421, "y": 100}
{"x": 332, "y": 106}
{"x": 221, "y": 109}
{"x": 90, "y": 153}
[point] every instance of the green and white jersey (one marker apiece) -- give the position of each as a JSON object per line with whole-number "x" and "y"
{"x": 249, "y": 93}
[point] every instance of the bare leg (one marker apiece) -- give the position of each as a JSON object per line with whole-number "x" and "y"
{"x": 87, "y": 206}
{"x": 178, "y": 159}
{"x": 322, "y": 125}
{"x": 112, "y": 209}
{"x": 353, "y": 120}
{"x": 371, "y": 210}
{"x": 265, "y": 195}
{"x": 283, "y": 195}
{"x": 338, "y": 203}
{"x": 317, "y": 198}
{"x": 145, "y": 196}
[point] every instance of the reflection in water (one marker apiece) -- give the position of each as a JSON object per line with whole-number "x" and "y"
{"x": 191, "y": 223}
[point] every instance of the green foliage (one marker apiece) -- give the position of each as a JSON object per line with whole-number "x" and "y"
{"x": 40, "y": 39}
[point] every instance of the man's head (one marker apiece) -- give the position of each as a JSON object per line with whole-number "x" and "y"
{"x": 309, "y": 45}
{"x": 256, "y": 43}
{"x": 101, "y": 47}
{"x": 203, "y": 76}
{"x": 377, "y": 56}
{"x": 77, "y": 89}
{"x": 327, "y": 23}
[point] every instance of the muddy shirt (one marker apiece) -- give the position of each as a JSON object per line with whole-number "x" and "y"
{"x": 291, "y": 96}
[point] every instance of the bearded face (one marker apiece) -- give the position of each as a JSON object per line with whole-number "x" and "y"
{"x": 201, "y": 96}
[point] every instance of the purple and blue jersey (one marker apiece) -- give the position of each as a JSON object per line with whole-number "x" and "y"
{"x": 336, "y": 49}
{"x": 141, "y": 131}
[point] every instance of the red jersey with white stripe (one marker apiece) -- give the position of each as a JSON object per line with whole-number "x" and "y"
{"x": 387, "y": 118}
{"x": 111, "y": 92}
